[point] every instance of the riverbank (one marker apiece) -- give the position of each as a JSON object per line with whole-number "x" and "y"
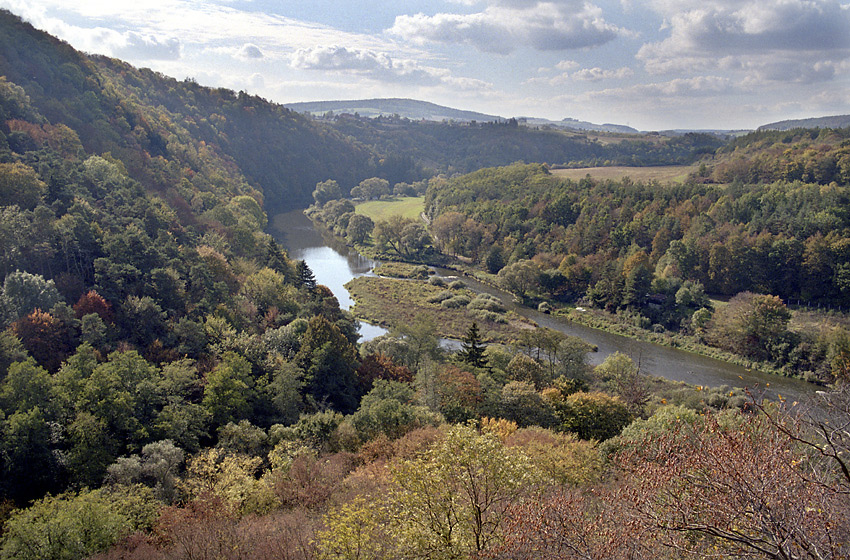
{"x": 592, "y": 318}
{"x": 450, "y": 306}
{"x": 612, "y": 323}
{"x": 654, "y": 359}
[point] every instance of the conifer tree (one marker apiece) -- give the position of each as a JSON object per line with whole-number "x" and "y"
{"x": 472, "y": 351}
{"x": 304, "y": 276}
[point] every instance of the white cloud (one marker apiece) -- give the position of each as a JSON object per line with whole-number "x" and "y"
{"x": 375, "y": 65}
{"x": 768, "y": 40}
{"x": 250, "y": 50}
{"x": 567, "y": 65}
{"x": 502, "y": 27}
{"x": 703, "y": 86}
{"x": 257, "y": 81}
{"x": 138, "y": 46}
{"x": 379, "y": 66}
{"x": 597, "y": 74}
{"x": 198, "y": 22}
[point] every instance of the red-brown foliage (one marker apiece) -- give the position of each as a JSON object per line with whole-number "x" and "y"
{"x": 311, "y": 481}
{"x": 92, "y": 302}
{"x": 414, "y": 441}
{"x": 459, "y": 393}
{"x": 381, "y": 366}
{"x": 567, "y": 524}
{"x": 739, "y": 485}
{"x": 46, "y": 338}
{"x": 207, "y": 528}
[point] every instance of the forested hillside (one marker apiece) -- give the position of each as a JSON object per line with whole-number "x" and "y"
{"x": 173, "y": 385}
{"x": 816, "y": 155}
{"x": 652, "y": 249}
{"x": 465, "y": 147}
{"x": 177, "y": 137}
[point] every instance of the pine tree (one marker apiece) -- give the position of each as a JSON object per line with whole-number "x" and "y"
{"x": 472, "y": 351}
{"x": 304, "y": 276}
{"x": 276, "y": 260}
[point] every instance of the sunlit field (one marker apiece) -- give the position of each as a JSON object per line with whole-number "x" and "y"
{"x": 662, "y": 174}
{"x": 405, "y": 206}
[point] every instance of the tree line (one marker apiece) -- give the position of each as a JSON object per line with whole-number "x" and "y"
{"x": 655, "y": 251}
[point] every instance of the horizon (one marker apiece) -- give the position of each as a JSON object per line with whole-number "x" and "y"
{"x": 651, "y": 65}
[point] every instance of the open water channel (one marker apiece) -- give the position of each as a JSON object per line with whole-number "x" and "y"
{"x": 334, "y": 264}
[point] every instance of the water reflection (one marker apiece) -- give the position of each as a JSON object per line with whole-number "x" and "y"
{"x": 332, "y": 262}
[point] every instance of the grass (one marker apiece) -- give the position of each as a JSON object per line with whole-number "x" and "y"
{"x": 391, "y": 302}
{"x": 816, "y": 322}
{"x": 404, "y": 206}
{"x": 662, "y": 174}
{"x": 401, "y": 270}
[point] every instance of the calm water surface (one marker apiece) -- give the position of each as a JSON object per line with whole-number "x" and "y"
{"x": 334, "y": 264}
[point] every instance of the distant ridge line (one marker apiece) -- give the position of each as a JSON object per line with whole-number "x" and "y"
{"x": 409, "y": 108}
{"x": 836, "y": 121}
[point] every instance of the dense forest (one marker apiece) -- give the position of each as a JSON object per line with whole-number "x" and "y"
{"x": 449, "y": 147}
{"x": 658, "y": 250}
{"x": 173, "y": 385}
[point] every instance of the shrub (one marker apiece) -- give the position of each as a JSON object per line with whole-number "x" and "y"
{"x": 488, "y": 316}
{"x": 486, "y": 303}
{"x": 440, "y": 297}
{"x": 456, "y": 302}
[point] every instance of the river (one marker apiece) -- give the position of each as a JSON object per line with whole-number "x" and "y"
{"x": 334, "y": 264}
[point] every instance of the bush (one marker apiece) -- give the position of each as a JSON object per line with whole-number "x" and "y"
{"x": 456, "y": 302}
{"x": 483, "y": 315}
{"x": 486, "y": 302}
{"x": 593, "y": 415}
{"x": 440, "y": 297}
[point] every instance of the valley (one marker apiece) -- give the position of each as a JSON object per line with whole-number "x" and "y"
{"x": 234, "y": 330}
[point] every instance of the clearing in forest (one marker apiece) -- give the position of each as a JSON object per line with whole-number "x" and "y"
{"x": 662, "y": 174}
{"x": 404, "y": 206}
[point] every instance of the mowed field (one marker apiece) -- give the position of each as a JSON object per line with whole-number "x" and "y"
{"x": 405, "y": 206}
{"x": 662, "y": 174}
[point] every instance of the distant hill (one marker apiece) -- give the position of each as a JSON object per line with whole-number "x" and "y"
{"x": 425, "y": 111}
{"x": 406, "y": 108}
{"x": 450, "y": 147}
{"x": 836, "y": 121}
{"x": 574, "y": 124}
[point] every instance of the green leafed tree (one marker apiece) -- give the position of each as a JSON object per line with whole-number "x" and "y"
{"x": 74, "y": 526}
{"x": 229, "y": 389}
{"x": 452, "y": 500}
{"x": 327, "y": 191}
{"x": 330, "y": 361}
{"x": 750, "y": 324}
{"x": 359, "y": 228}
{"x": 20, "y": 185}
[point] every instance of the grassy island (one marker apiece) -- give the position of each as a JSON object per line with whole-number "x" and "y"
{"x": 394, "y": 301}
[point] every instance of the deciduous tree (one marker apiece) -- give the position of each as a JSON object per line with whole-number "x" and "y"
{"x": 452, "y": 500}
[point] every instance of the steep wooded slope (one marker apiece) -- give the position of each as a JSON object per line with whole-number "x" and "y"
{"x": 168, "y": 133}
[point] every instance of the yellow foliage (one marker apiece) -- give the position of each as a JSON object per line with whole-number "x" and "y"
{"x": 354, "y": 531}
{"x": 499, "y": 427}
{"x": 232, "y": 477}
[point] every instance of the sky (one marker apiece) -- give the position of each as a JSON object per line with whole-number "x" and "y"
{"x": 649, "y": 64}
